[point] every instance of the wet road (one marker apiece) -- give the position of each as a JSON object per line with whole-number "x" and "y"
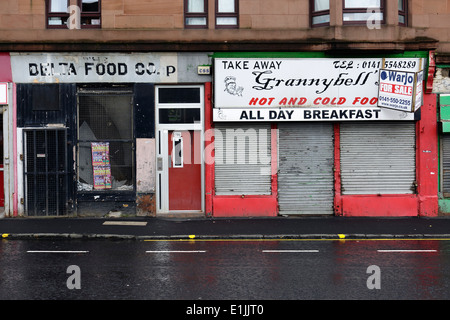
{"x": 216, "y": 270}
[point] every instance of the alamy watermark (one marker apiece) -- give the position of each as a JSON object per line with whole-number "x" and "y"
{"x": 373, "y": 20}
{"x": 74, "y": 280}
{"x": 374, "y": 280}
{"x": 230, "y": 146}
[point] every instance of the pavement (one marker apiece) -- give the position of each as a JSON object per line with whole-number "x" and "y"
{"x": 148, "y": 228}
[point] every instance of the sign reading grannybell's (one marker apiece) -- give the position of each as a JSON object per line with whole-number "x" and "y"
{"x": 301, "y": 89}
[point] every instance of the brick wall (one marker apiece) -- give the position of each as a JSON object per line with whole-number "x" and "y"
{"x": 260, "y": 20}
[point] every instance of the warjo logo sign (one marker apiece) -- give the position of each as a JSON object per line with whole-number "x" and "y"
{"x": 400, "y": 90}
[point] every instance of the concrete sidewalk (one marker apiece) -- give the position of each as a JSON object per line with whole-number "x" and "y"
{"x": 225, "y": 228}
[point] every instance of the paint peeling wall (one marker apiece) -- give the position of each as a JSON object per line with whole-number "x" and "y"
{"x": 441, "y": 82}
{"x": 145, "y": 177}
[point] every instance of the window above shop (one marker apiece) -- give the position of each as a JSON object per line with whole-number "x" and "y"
{"x": 356, "y": 12}
{"x": 85, "y": 14}
{"x": 320, "y": 12}
{"x": 403, "y": 12}
{"x": 226, "y": 14}
{"x": 196, "y": 14}
{"x": 363, "y": 11}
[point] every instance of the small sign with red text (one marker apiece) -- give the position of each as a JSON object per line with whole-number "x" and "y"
{"x": 400, "y": 90}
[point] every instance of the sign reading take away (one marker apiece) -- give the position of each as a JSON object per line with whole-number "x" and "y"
{"x": 400, "y": 90}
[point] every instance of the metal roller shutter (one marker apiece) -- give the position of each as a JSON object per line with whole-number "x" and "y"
{"x": 243, "y": 159}
{"x": 445, "y": 138}
{"x": 378, "y": 158}
{"x": 306, "y": 161}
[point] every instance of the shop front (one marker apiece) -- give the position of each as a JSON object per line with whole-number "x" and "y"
{"x": 303, "y": 134}
{"x": 96, "y": 132}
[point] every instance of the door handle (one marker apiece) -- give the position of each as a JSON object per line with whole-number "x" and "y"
{"x": 159, "y": 164}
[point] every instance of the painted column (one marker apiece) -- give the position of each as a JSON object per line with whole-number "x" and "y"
{"x": 427, "y": 158}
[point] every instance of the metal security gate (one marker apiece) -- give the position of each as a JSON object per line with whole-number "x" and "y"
{"x": 445, "y": 138}
{"x": 243, "y": 159}
{"x": 45, "y": 172}
{"x": 305, "y": 176}
{"x": 378, "y": 158}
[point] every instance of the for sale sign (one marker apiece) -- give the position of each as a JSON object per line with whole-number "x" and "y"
{"x": 400, "y": 90}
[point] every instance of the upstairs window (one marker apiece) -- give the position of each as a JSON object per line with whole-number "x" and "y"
{"x": 57, "y": 14}
{"x": 320, "y": 12}
{"x": 403, "y": 12}
{"x": 363, "y": 11}
{"x": 227, "y": 13}
{"x": 196, "y": 14}
{"x": 89, "y": 14}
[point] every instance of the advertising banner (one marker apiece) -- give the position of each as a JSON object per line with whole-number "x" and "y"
{"x": 299, "y": 83}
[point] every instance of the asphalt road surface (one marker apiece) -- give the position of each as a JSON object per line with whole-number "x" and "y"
{"x": 225, "y": 269}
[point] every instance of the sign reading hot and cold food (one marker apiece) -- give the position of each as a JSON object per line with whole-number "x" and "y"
{"x": 296, "y": 89}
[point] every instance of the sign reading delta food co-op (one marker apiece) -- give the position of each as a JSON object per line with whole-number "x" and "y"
{"x": 308, "y": 84}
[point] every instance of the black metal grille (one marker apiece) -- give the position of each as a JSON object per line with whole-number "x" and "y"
{"x": 45, "y": 172}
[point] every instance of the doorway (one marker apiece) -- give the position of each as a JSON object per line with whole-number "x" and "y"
{"x": 179, "y": 152}
{"x": 2, "y": 168}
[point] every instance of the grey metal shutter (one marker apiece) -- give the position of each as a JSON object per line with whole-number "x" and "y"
{"x": 242, "y": 159}
{"x": 306, "y": 161}
{"x": 445, "y": 138}
{"x": 378, "y": 158}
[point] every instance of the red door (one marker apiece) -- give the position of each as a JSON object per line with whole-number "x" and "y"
{"x": 185, "y": 184}
{"x": 2, "y": 191}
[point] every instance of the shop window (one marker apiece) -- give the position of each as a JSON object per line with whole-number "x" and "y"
{"x": 320, "y": 12}
{"x": 363, "y": 11}
{"x": 105, "y": 140}
{"x": 58, "y": 13}
{"x": 196, "y": 14}
{"x": 227, "y": 13}
{"x": 45, "y": 97}
{"x": 403, "y": 12}
{"x": 179, "y": 95}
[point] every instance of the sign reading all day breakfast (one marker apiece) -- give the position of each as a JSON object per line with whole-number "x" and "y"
{"x": 297, "y": 89}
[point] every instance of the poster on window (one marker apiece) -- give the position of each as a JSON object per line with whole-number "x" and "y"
{"x": 101, "y": 165}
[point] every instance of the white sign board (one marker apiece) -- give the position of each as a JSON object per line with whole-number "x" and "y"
{"x": 308, "y": 114}
{"x": 400, "y": 90}
{"x": 94, "y": 67}
{"x": 3, "y": 93}
{"x": 270, "y": 83}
